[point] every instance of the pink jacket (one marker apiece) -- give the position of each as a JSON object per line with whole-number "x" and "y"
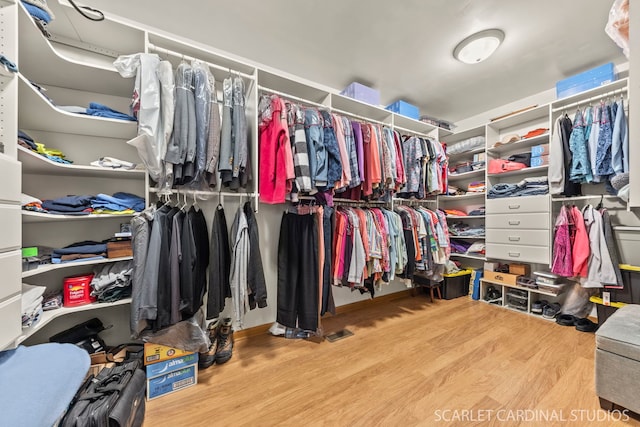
{"x": 581, "y": 248}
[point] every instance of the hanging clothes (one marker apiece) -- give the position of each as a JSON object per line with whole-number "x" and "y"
{"x": 601, "y": 270}
{"x": 604, "y": 167}
{"x": 580, "y": 245}
{"x": 219, "y": 265}
{"x": 580, "y": 165}
{"x": 562, "y": 256}
{"x": 239, "y": 267}
{"x": 620, "y": 141}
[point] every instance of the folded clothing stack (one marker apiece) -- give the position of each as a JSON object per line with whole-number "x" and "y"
{"x": 31, "y": 305}
{"x": 527, "y": 187}
{"x": 120, "y": 203}
{"x": 85, "y": 250}
{"x": 112, "y": 282}
{"x": 477, "y": 187}
{"x": 478, "y": 211}
{"x": 466, "y": 145}
{"x": 459, "y": 246}
{"x": 69, "y": 205}
{"x": 461, "y": 229}
{"x": 97, "y": 110}
{"x": 52, "y": 154}
{"x": 454, "y": 212}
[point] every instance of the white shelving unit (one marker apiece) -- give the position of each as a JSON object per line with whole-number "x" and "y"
{"x": 469, "y": 256}
{"x": 48, "y": 316}
{"x": 532, "y": 295}
{"x": 67, "y": 265}
{"x": 75, "y": 66}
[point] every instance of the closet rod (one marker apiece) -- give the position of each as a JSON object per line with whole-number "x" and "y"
{"x": 593, "y": 196}
{"x": 355, "y": 116}
{"x": 207, "y": 192}
{"x": 291, "y": 97}
{"x": 363, "y": 203}
{"x": 411, "y": 132}
{"x": 410, "y": 202}
{"x": 589, "y": 100}
{"x": 159, "y": 49}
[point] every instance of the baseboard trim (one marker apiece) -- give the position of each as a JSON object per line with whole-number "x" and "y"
{"x": 343, "y": 309}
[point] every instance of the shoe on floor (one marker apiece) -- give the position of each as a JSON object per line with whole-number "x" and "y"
{"x": 208, "y": 358}
{"x": 224, "y": 341}
{"x": 566, "y": 320}
{"x": 550, "y": 311}
{"x": 585, "y": 325}
{"x": 538, "y": 306}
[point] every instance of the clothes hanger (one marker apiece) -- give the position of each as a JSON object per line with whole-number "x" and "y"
{"x": 600, "y": 205}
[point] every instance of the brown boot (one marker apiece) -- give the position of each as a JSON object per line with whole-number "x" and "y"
{"x": 207, "y": 358}
{"x": 225, "y": 341}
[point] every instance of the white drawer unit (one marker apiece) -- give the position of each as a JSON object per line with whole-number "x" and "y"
{"x": 518, "y": 237}
{"x": 10, "y": 269}
{"x": 11, "y": 179}
{"x": 518, "y": 205}
{"x": 525, "y": 221}
{"x": 11, "y": 223}
{"x": 10, "y": 319}
{"x": 522, "y": 253}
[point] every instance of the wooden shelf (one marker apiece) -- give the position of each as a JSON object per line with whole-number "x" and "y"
{"x": 464, "y": 134}
{"x": 470, "y": 174}
{"x": 35, "y": 112}
{"x": 525, "y": 171}
{"x": 478, "y": 257}
{"x": 519, "y": 145}
{"x": 35, "y": 217}
{"x": 50, "y": 315}
{"x": 34, "y": 163}
{"x": 595, "y": 92}
{"x": 51, "y": 267}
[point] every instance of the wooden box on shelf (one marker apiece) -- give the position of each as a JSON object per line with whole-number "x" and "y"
{"x": 120, "y": 248}
{"x": 496, "y": 276}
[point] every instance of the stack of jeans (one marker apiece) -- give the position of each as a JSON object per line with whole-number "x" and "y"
{"x": 527, "y": 187}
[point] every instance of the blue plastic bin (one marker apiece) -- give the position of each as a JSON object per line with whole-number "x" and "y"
{"x": 589, "y": 79}
{"x": 362, "y": 93}
{"x": 404, "y": 108}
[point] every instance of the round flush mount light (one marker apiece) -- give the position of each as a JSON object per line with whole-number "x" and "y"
{"x": 479, "y": 46}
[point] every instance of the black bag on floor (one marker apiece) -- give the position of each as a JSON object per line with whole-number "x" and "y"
{"x": 113, "y": 398}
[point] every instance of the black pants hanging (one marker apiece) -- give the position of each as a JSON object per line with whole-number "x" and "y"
{"x": 298, "y": 272}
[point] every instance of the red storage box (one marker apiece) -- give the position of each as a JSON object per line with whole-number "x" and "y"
{"x": 77, "y": 290}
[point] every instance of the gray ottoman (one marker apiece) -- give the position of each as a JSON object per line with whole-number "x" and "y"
{"x": 618, "y": 360}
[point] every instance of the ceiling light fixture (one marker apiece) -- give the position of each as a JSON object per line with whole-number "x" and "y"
{"x": 479, "y": 46}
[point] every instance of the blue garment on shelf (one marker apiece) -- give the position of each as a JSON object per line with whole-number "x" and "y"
{"x": 100, "y": 110}
{"x": 90, "y": 248}
{"x": 57, "y": 260}
{"x": 68, "y": 204}
{"x": 36, "y": 12}
{"x": 7, "y": 63}
{"x": 527, "y": 187}
{"x": 118, "y": 202}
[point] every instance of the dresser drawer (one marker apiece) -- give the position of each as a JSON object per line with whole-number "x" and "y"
{"x": 11, "y": 321}
{"x": 531, "y": 221}
{"x": 11, "y": 223}
{"x": 518, "y": 237}
{"x": 11, "y": 179}
{"x": 529, "y": 204}
{"x": 11, "y": 271}
{"x": 535, "y": 254}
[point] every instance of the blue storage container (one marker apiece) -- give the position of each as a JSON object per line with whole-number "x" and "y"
{"x": 589, "y": 79}
{"x": 362, "y": 93}
{"x": 404, "y": 108}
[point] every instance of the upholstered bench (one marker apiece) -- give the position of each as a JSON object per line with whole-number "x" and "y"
{"x": 618, "y": 360}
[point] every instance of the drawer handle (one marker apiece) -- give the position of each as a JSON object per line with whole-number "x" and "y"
{"x": 514, "y": 222}
{"x": 514, "y": 206}
{"x": 514, "y": 238}
{"x": 514, "y": 254}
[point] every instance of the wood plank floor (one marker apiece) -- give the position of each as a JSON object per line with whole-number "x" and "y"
{"x": 410, "y": 362}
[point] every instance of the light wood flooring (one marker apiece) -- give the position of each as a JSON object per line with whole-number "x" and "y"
{"x": 410, "y": 362}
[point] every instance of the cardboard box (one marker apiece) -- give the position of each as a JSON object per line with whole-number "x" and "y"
{"x": 539, "y": 150}
{"x": 520, "y": 269}
{"x": 586, "y": 80}
{"x": 404, "y": 108}
{"x": 162, "y": 368}
{"x": 154, "y": 353}
{"x": 496, "y": 276}
{"x": 172, "y": 381}
{"x": 362, "y": 93}
{"x": 118, "y": 249}
{"x": 540, "y": 161}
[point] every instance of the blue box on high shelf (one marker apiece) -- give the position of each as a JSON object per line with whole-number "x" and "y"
{"x": 362, "y": 93}
{"x": 589, "y": 79}
{"x": 404, "y": 108}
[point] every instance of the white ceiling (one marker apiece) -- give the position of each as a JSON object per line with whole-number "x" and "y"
{"x": 403, "y": 47}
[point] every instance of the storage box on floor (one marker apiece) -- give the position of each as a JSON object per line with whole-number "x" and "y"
{"x": 612, "y": 299}
{"x": 456, "y": 284}
{"x": 169, "y": 369}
